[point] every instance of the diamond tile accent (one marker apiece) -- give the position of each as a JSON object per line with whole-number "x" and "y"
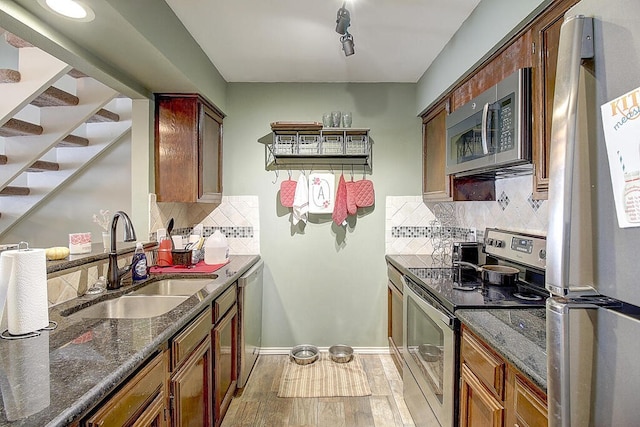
{"x": 534, "y": 203}
{"x": 503, "y": 200}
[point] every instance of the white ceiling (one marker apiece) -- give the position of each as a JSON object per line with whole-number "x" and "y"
{"x": 295, "y": 40}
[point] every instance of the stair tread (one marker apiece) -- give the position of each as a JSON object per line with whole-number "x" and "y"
{"x": 73, "y": 141}
{"x": 16, "y": 41}
{"x": 15, "y": 191}
{"x": 103, "y": 116}
{"x": 54, "y": 97}
{"x": 17, "y": 127}
{"x": 43, "y": 166}
{"x": 76, "y": 74}
{"x": 8, "y": 75}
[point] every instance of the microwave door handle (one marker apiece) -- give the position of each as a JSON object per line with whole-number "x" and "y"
{"x": 575, "y": 34}
{"x": 485, "y": 119}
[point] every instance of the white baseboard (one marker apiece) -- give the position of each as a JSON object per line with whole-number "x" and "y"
{"x": 359, "y": 350}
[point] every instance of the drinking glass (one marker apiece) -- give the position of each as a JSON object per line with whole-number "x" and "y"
{"x": 346, "y": 119}
{"x": 327, "y": 120}
{"x": 335, "y": 118}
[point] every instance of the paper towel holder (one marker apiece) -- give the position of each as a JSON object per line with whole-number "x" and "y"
{"x": 24, "y": 246}
{"x": 7, "y": 336}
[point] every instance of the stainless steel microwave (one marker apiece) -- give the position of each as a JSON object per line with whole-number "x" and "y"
{"x": 493, "y": 130}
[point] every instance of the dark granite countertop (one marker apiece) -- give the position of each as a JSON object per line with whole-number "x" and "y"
{"x": 518, "y": 335}
{"x": 55, "y": 378}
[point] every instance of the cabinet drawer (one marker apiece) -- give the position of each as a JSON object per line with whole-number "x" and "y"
{"x": 133, "y": 397}
{"x": 224, "y": 302}
{"x": 530, "y": 408}
{"x": 184, "y": 343}
{"x": 486, "y": 365}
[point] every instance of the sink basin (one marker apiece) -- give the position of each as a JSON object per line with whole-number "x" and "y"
{"x": 133, "y": 307}
{"x": 180, "y": 287}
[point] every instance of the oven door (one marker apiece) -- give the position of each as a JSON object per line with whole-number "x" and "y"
{"x": 429, "y": 355}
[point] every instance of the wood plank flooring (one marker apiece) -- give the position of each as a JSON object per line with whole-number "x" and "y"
{"x": 259, "y": 405}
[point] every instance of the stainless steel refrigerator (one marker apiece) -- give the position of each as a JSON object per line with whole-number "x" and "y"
{"x": 593, "y": 241}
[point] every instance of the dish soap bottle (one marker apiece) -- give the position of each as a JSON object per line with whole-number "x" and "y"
{"x": 216, "y": 249}
{"x": 139, "y": 264}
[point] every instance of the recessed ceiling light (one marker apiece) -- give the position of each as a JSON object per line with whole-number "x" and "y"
{"x": 71, "y": 9}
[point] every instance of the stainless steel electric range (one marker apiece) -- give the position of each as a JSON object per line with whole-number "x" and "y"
{"x": 431, "y": 330}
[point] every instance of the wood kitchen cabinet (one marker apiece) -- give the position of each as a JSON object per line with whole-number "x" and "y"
{"x": 436, "y": 184}
{"x": 140, "y": 401}
{"x": 493, "y": 392}
{"x": 545, "y": 39}
{"x": 395, "y": 328}
{"x": 188, "y": 149}
{"x": 534, "y": 46}
{"x": 225, "y": 338}
{"x": 190, "y": 386}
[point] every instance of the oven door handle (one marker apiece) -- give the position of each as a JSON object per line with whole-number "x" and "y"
{"x": 446, "y": 318}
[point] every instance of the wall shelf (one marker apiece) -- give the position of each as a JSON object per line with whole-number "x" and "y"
{"x": 289, "y": 148}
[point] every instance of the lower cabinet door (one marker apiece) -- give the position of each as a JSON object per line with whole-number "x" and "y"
{"x": 190, "y": 388}
{"x": 154, "y": 415}
{"x": 225, "y": 334}
{"x": 478, "y": 407}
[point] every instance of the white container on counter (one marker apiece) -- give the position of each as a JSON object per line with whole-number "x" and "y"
{"x": 216, "y": 249}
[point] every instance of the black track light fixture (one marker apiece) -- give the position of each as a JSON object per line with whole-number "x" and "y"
{"x": 343, "y": 20}
{"x": 347, "y": 44}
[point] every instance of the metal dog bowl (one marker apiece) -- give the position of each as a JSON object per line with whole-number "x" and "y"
{"x": 304, "y": 354}
{"x": 341, "y": 353}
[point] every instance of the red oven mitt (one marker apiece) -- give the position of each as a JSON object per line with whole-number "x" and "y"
{"x": 287, "y": 193}
{"x": 365, "y": 195}
{"x": 352, "y": 208}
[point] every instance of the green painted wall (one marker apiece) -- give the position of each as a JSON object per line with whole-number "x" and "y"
{"x": 323, "y": 285}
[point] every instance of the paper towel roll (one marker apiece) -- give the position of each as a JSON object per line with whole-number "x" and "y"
{"x": 24, "y": 376}
{"x": 27, "y": 305}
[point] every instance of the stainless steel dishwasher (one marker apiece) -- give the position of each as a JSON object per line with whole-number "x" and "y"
{"x": 250, "y": 310}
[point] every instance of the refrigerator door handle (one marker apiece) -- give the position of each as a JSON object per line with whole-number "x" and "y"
{"x": 576, "y": 44}
{"x": 558, "y": 374}
{"x": 559, "y": 356}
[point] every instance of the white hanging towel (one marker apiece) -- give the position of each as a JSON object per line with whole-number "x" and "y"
{"x": 300, "y": 201}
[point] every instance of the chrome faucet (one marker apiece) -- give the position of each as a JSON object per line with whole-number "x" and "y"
{"x": 114, "y": 274}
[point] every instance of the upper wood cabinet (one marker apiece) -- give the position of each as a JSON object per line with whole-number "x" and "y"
{"x": 436, "y": 184}
{"x": 188, "y": 149}
{"x": 545, "y": 38}
{"x": 535, "y": 46}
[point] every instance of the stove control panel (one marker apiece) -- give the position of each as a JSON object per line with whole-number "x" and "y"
{"x": 516, "y": 247}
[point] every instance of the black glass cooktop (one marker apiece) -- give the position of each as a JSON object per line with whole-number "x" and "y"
{"x": 473, "y": 293}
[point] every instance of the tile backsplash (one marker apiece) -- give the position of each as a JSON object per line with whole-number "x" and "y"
{"x": 415, "y": 227}
{"x": 237, "y": 217}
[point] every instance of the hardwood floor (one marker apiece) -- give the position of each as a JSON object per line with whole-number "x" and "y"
{"x": 259, "y": 405}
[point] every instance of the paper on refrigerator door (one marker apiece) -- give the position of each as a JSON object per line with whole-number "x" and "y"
{"x": 621, "y": 124}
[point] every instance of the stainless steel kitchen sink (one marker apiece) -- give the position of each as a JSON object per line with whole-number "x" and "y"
{"x": 133, "y": 307}
{"x": 153, "y": 299}
{"x": 175, "y": 287}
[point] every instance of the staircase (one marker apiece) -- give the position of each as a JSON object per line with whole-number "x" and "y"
{"x": 54, "y": 122}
